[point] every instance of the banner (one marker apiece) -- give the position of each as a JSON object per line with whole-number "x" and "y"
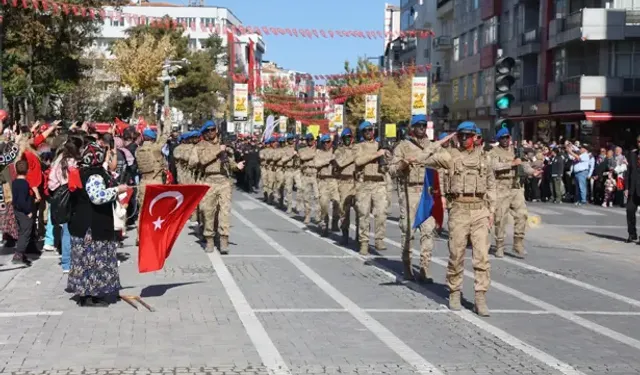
{"x": 314, "y": 129}
{"x": 390, "y": 131}
{"x": 338, "y": 114}
{"x": 371, "y": 108}
{"x": 282, "y": 124}
{"x": 430, "y": 131}
{"x": 298, "y": 127}
{"x": 419, "y": 96}
{"x": 240, "y": 98}
{"x": 258, "y": 113}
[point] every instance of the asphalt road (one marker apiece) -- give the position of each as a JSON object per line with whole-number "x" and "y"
{"x": 287, "y": 301}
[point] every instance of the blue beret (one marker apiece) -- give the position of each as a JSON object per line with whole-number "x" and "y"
{"x": 442, "y": 135}
{"x": 308, "y": 136}
{"x": 282, "y": 139}
{"x": 267, "y": 141}
{"x": 364, "y": 125}
{"x": 148, "y": 133}
{"x": 346, "y": 132}
{"x": 207, "y": 125}
{"x": 466, "y": 127}
{"x": 325, "y": 138}
{"x": 415, "y": 119}
{"x": 272, "y": 139}
{"x": 503, "y": 132}
{"x": 377, "y": 139}
{"x": 289, "y": 136}
{"x": 478, "y": 131}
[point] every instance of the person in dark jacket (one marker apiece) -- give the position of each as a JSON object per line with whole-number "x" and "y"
{"x": 23, "y": 209}
{"x": 556, "y": 165}
{"x": 632, "y": 191}
{"x": 94, "y": 267}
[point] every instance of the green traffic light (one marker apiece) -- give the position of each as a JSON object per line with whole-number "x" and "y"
{"x": 503, "y": 103}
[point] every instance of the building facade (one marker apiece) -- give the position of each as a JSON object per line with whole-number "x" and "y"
{"x": 576, "y": 71}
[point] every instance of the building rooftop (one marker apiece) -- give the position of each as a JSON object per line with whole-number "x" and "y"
{"x": 147, "y": 3}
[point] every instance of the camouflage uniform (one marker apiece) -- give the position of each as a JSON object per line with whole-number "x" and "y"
{"x": 327, "y": 187}
{"x": 472, "y": 190}
{"x": 290, "y": 161}
{"x": 309, "y": 182}
{"x": 215, "y": 167}
{"x": 344, "y": 162}
{"x": 277, "y": 161}
{"x": 509, "y": 198}
{"x": 371, "y": 190}
{"x": 411, "y": 183}
{"x": 265, "y": 172}
{"x": 150, "y": 163}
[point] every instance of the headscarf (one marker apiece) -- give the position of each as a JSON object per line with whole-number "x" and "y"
{"x": 92, "y": 156}
{"x": 119, "y": 143}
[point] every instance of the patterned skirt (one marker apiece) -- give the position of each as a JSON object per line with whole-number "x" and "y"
{"x": 94, "y": 267}
{"x": 8, "y": 222}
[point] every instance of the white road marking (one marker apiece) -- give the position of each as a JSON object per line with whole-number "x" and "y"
{"x": 303, "y": 256}
{"x": 298, "y": 310}
{"x": 381, "y": 332}
{"x": 575, "y": 282}
{"x": 545, "y": 358}
{"x": 253, "y": 256}
{"x": 247, "y": 205}
{"x": 617, "y": 336}
{"x": 583, "y": 211}
{"x": 443, "y": 311}
{"x": 29, "y": 313}
{"x": 266, "y": 349}
{"x": 542, "y": 211}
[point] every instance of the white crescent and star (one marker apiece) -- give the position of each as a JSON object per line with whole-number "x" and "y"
{"x": 167, "y": 194}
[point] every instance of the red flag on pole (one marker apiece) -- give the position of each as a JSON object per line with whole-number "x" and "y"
{"x": 165, "y": 210}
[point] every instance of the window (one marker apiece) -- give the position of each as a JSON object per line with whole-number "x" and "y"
{"x": 476, "y": 4}
{"x": 480, "y": 85}
{"x": 624, "y": 55}
{"x": 117, "y": 22}
{"x": 455, "y": 89}
{"x": 511, "y": 26}
{"x": 456, "y": 49}
{"x": 490, "y": 31}
{"x": 480, "y": 37}
{"x": 189, "y": 21}
{"x": 559, "y": 64}
{"x": 462, "y": 91}
{"x": 426, "y": 53}
{"x": 471, "y": 85}
{"x": 465, "y": 46}
{"x": 474, "y": 41}
{"x": 504, "y": 28}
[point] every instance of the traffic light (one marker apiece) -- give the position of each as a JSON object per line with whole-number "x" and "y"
{"x": 504, "y": 98}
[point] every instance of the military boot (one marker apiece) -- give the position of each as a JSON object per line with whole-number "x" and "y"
{"x": 364, "y": 248}
{"x": 335, "y": 226}
{"x": 407, "y": 273}
{"x": 518, "y": 247}
{"x": 481, "y": 304}
{"x": 454, "y": 301}
{"x": 425, "y": 276}
{"x": 211, "y": 246}
{"x": 499, "y": 248}
{"x": 380, "y": 246}
{"x": 307, "y": 218}
{"x": 289, "y": 210}
{"x": 345, "y": 238}
{"x": 224, "y": 245}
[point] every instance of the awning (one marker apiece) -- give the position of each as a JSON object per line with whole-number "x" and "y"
{"x": 608, "y": 116}
{"x": 563, "y": 115}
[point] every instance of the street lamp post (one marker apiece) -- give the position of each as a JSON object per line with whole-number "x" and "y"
{"x": 168, "y": 68}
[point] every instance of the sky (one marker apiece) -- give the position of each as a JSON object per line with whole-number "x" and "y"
{"x": 313, "y": 56}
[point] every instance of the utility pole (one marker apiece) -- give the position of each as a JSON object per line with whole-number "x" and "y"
{"x": 166, "y": 78}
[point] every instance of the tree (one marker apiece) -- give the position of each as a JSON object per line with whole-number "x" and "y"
{"x": 164, "y": 27}
{"x": 42, "y": 53}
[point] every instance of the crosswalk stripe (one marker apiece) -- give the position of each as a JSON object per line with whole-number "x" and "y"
{"x": 542, "y": 211}
{"x": 583, "y": 211}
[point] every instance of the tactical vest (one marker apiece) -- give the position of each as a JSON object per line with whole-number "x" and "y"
{"x": 149, "y": 160}
{"x": 504, "y": 156}
{"x": 469, "y": 174}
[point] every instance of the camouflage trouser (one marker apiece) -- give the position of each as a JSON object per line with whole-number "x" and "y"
{"x": 185, "y": 177}
{"x": 347, "y": 190}
{"x": 510, "y": 201}
{"x": 328, "y": 189}
{"x": 265, "y": 173}
{"x": 389, "y": 181}
{"x": 371, "y": 196}
{"x": 311, "y": 195}
{"x": 216, "y": 204}
{"x": 291, "y": 177}
{"x": 468, "y": 221}
{"x": 278, "y": 185}
{"x": 408, "y": 208}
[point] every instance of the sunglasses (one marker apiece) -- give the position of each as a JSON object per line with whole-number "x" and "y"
{"x": 420, "y": 125}
{"x": 367, "y": 130}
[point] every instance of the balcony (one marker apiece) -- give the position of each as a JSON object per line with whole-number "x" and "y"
{"x": 595, "y": 24}
{"x": 529, "y": 42}
{"x": 443, "y": 43}
{"x": 530, "y": 94}
{"x": 441, "y": 78}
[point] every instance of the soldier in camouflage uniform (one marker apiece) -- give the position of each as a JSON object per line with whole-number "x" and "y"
{"x": 215, "y": 163}
{"x": 443, "y": 176}
{"x": 151, "y": 163}
{"x": 290, "y": 162}
{"x": 327, "y": 185}
{"x": 265, "y": 173}
{"x": 510, "y": 193}
{"x": 273, "y": 157}
{"x": 279, "y": 159}
{"x": 309, "y": 189}
{"x": 411, "y": 183}
{"x": 371, "y": 189}
{"x": 473, "y": 193}
{"x": 345, "y": 166}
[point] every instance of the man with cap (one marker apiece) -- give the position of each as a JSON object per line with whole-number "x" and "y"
{"x": 411, "y": 184}
{"x": 290, "y": 161}
{"x": 327, "y": 185}
{"x": 345, "y": 157}
{"x": 509, "y": 193}
{"x": 371, "y": 188}
{"x": 309, "y": 189}
{"x": 151, "y": 162}
{"x": 181, "y": 156}
{"x": 265, "y": 172}
{"x": 472, "y": 191}
{"x": 215, "y": 165}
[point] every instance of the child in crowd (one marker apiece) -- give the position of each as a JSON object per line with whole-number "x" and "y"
{"x": 609, "y": 190}
{"x": 23, "y": 209}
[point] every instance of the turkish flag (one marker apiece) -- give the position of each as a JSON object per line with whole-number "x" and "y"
{"x": 165, "y": 210}
{"x": 125, "y": 198}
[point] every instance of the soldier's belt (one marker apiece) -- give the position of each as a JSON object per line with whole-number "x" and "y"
{"x": 346, "y": 177}
{"x": 470, "y": 205}
{"x": 327, "y": 177}
{"x": 372, "y": 178}
{"x": 468, "y": 197}
{"x": 415, "y": 183}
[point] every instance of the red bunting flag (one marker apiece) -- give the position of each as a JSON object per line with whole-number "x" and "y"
{"x": 165, "y": 210}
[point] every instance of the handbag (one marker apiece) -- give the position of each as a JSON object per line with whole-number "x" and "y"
{"x": 119, "y": 216}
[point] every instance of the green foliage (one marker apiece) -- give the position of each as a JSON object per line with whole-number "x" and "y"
{"x": 179, "y": 42}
